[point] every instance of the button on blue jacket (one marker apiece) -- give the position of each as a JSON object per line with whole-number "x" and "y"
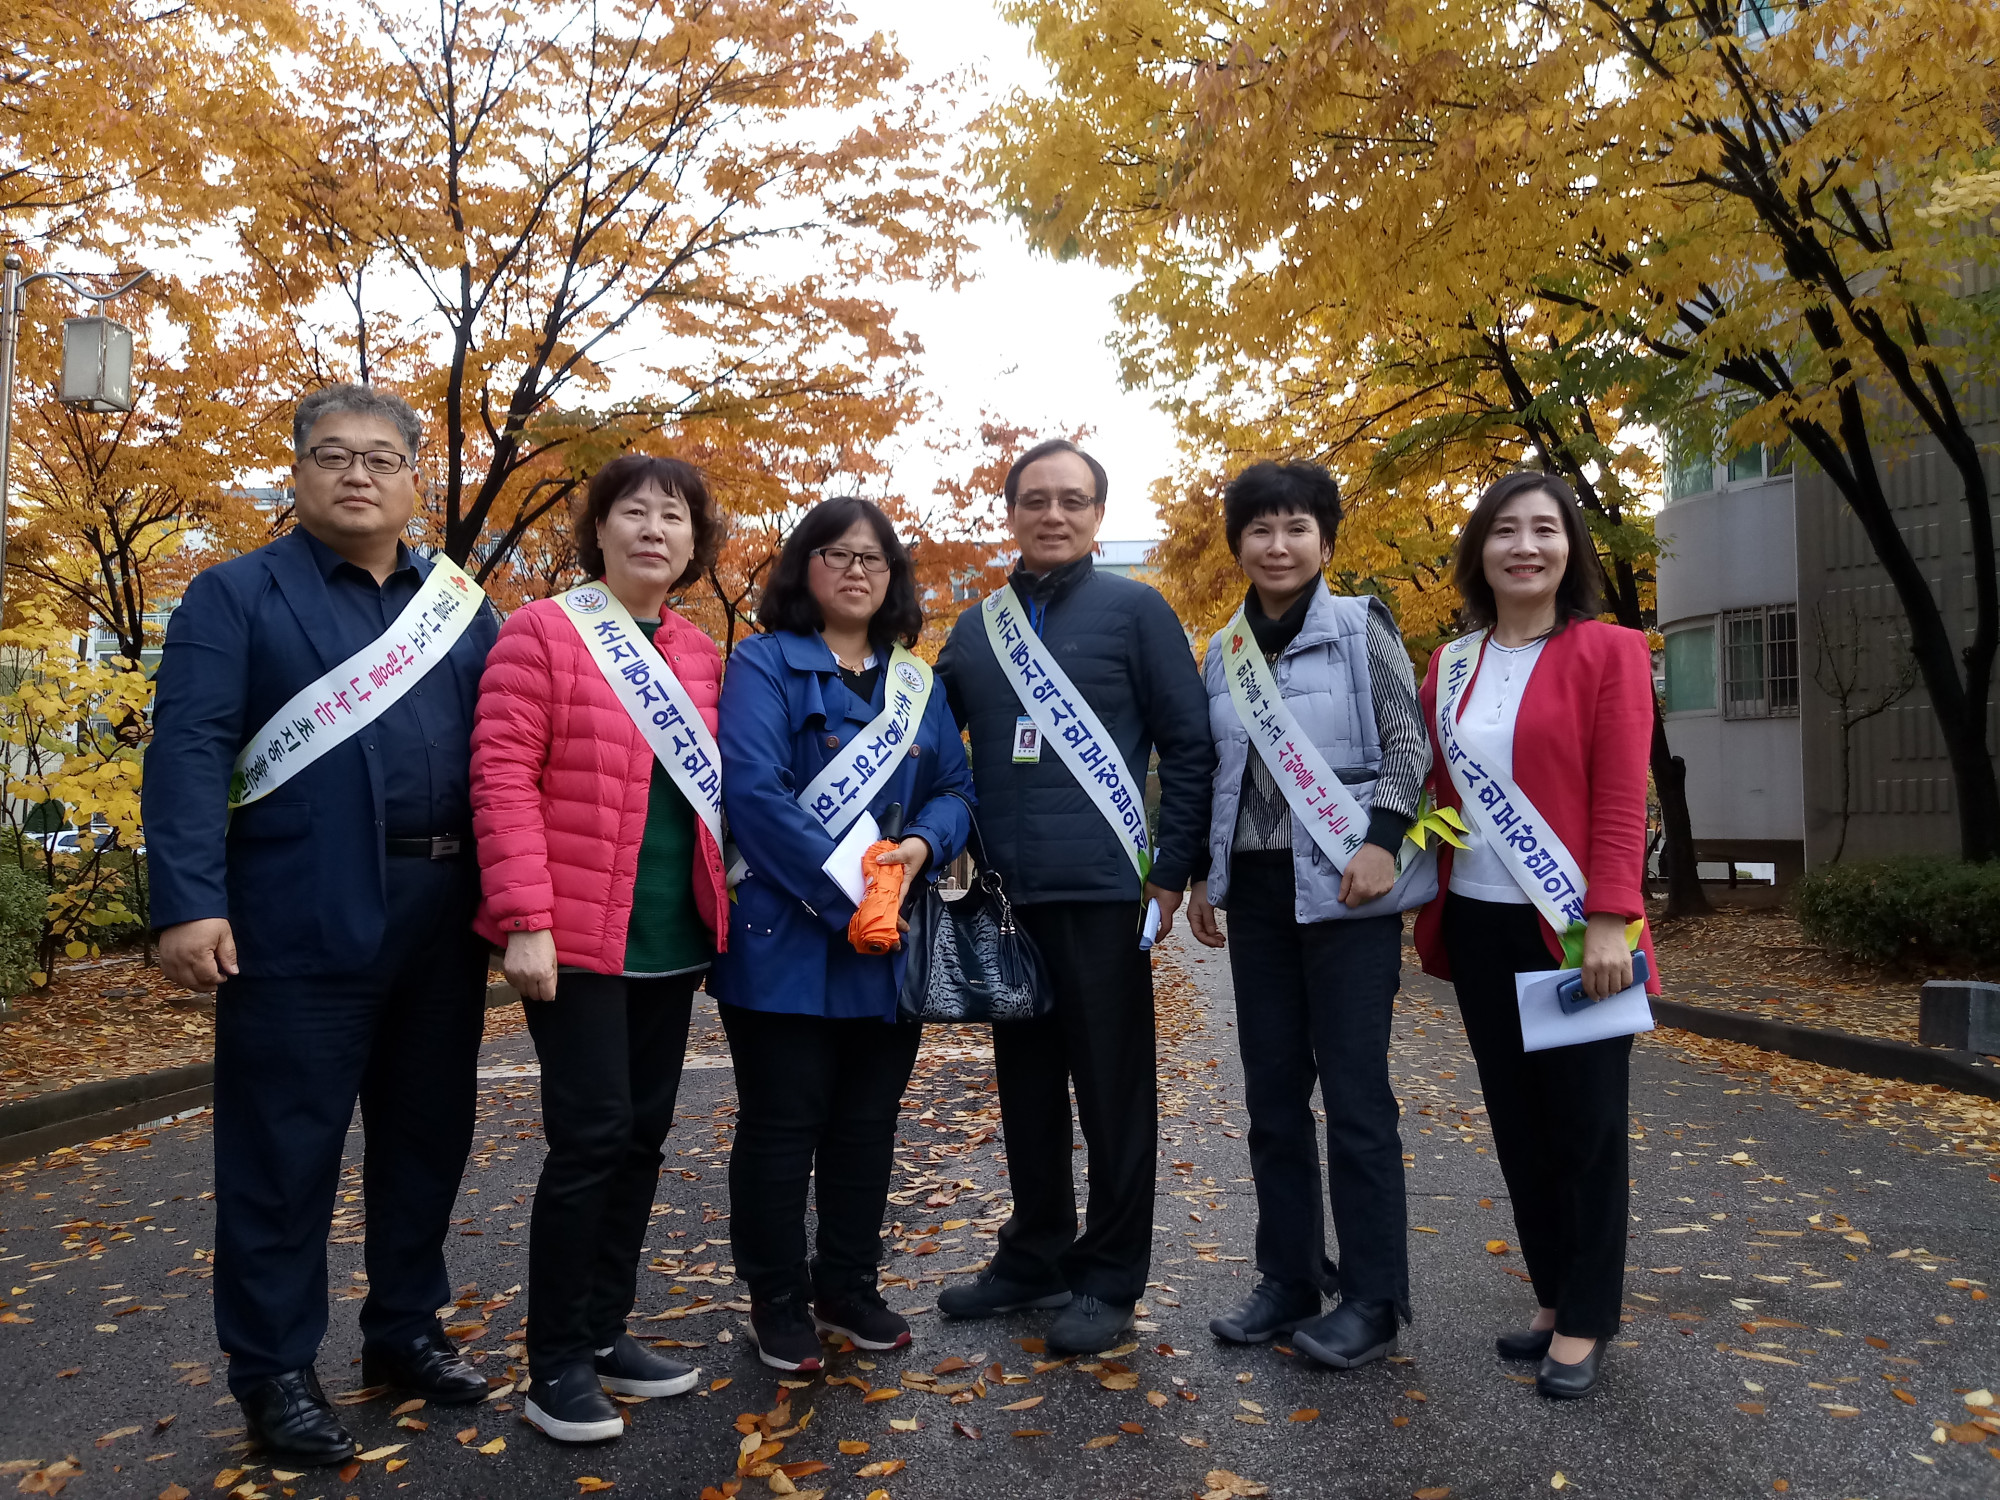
{"x": 784, "y": 714}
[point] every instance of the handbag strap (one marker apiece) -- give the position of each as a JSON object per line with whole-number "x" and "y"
{"x": 978, "y": 844}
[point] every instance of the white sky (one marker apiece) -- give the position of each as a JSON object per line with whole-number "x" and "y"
{"x": 1027, "y": 340}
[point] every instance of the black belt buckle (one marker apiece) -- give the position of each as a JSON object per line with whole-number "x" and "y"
{"x": 446, "y": 846}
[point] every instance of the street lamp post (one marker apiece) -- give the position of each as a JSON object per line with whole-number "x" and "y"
{"x": 97, "y": 363}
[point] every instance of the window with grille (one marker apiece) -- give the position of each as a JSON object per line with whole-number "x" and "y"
{"x": 1760, "y": 662}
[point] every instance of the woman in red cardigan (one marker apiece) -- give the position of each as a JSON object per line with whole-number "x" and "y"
{"x": 1562, "y": 704}
{"x": 604, "y": 881}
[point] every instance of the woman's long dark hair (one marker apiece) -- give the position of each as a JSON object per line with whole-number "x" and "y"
{"x": 788, "y": 603}
{"x": 1580, "y": 595}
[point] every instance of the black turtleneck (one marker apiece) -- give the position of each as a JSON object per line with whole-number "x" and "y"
{"x": 1274, "y": 635}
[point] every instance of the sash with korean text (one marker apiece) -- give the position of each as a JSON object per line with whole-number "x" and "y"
{"x": 652, "y": 697}
{"x": 848, "y": 783}
{"x": 1546, "y": 872}
{"x": 361, "y": 689}
{"x": 1331, "y": 813}
{"x": 1067, "y": 722}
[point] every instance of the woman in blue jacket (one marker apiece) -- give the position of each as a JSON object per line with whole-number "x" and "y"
{"x": 822, "y": 718}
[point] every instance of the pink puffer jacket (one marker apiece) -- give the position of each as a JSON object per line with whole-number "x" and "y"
{"x": 560, "y": 779}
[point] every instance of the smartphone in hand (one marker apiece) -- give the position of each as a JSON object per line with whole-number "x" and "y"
{"x": 1570, "y": 995}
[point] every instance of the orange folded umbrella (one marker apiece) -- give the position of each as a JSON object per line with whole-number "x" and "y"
{"x": 872, "y": 928}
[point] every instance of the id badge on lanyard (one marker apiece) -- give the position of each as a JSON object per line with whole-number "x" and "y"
{"x": 1027, "y": 741}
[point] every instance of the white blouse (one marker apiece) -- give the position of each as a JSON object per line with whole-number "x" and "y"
{"x": 1486, "y": 728}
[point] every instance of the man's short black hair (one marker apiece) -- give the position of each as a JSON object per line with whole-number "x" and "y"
{"x": 1270, "y": 489}
{"x": 1043, "y": 450}
{"x": 788, "y": 602}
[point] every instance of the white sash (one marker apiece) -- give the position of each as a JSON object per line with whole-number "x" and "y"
{"x": 848, "y": 783}
{"x": 1546, "y": 872}
{"x": 361, "y": 689}
{"x": 653, "y": 698}
{"x": 1331, "y": 813}
{"x": 1066, "y": 722}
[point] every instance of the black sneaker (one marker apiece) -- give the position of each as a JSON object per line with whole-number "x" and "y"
{"x": 784, "y": 1333}
{"x": 1354, "y": 1333}
{"x": 987, "y": 1295}
{"x": 571, "y": 1407}
{"x": 1088, "y": 1326}
{"x": 857, "y": 1312}
{"x": 629, "y": 1368}
{"x": 1275, "y": 1307}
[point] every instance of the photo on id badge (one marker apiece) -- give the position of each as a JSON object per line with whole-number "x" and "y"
{"x": 1027, "y": 741}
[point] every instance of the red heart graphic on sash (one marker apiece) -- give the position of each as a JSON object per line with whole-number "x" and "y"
{"x": 1236, "y": 643}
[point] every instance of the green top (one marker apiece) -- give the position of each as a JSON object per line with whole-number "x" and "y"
{"x": 667, "y": 934}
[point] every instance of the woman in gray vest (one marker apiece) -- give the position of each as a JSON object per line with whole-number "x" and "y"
{"x": 1309, "y": 875}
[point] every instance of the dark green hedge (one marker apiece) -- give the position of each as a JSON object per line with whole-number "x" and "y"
{"x": 1918, "y": 910}
{"x": 24, "y": 899}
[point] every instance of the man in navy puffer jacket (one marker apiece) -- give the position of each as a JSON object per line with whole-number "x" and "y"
{"x": 1081, "y": 898}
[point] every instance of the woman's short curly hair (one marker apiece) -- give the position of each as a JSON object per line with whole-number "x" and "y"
{"x": 619, "y": 478}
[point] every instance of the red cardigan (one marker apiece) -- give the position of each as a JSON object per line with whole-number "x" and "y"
{"x": 1581, "y": 754}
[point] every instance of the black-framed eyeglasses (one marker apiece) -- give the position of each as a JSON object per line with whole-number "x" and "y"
{"x": 840, "y": 559}
{"x": 374, "y": 460}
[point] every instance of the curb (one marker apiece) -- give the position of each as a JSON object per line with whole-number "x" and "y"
{"x": 1878, "y": 1057}
{"x": 68, "y": 1117}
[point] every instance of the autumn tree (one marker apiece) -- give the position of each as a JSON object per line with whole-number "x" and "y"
{"x": 113, "y": 512}
{"x": 566, "y": 229}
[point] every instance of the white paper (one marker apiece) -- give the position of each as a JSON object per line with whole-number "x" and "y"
{"x": 843, "y": 866}
{"x": 1150, "y": 933}
{"x": 1544, "y": 1023}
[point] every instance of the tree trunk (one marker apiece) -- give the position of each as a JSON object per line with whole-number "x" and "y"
{"x": 1685, "y": 897}
{"x": 1978, "y": 791}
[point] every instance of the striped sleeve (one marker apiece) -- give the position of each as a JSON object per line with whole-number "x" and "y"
{"x": 1399, "y": 725}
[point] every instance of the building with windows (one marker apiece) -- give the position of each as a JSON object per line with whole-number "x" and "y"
{"x": 1788, "y": 689}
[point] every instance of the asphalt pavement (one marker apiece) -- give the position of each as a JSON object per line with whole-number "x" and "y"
{"x": 1804, "y": 1299}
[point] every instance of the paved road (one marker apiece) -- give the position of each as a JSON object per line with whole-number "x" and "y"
{"x": 1779, "y": 1336}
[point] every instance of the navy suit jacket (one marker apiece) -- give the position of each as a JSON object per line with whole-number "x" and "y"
{"x": 300, "y": 873}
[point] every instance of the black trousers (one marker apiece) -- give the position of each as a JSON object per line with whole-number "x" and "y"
{"x": 1100, "y": 1036}
{"x": 1559, "y": 1120}
{"x": 291, "y": 1057}
{"x": 611, "y": 1051}
{"x": 1313, "y": 1005}
{"x": 817, "y": 1102}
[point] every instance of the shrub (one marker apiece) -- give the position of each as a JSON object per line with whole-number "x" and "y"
{"x": 24, "y": 901}
{"x": 1912, "y": 910}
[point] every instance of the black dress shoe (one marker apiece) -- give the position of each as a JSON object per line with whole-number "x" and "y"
{"x": 1529, "y": 1345}
{"x": 289, "y": 1418}
{"x": 426, "y": 1366}
{"x": 1354, "y": 1333}
{"x": 1561, "y": 1382}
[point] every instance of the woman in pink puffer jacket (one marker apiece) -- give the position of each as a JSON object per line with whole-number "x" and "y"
{"x": 607, "y": 890}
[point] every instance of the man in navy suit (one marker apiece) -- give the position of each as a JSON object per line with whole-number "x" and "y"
{"x": 335, "y": 915}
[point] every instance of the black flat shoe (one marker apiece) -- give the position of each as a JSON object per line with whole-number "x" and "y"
{"x": 1561, "y": 1382}
{"x": 1529, "y": 1345}
{"x": 426, "y": 1366}
{"x": 289, "y": 1419}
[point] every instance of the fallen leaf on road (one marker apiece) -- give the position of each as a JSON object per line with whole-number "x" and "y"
{"x": 1127, "y": 1381}
{"x": 1431, "y": 1492}
{"x": 1423, "y": 1229}
{"x": 414, "y": 1404}
{"x": 1751, "y": 1408}
{"x": 1030, "y": 1432}
{"x": 466, "y": 1434}
{"x": 881, "y": 1469}
{"x": 886, "y": 1393}
{"x": 1903, "y": 1396}
{"x": 1304, "y": 1414}
{"x": 374, "y": 1453}
{"x": 716, "y": 1385}
{"x": 904, "y": 1424}
{"x": 1195, "y": 1442}
{"x": 229, "y": 1476}
{"x": 965, "y": 1432}
{"x": 394, "y": 1464}
{"x": 114, "y": 1435}
{"x": 1159, "y": 1398}
{"x": 803, "y": 1467}
{"x": 1222, "y": 1485}
{"x": 951, "y": 1366}
{"x": 1025, "y": 1405}
{"x": 1033, "y": 1346}
{"x": 1496, "y": 1247}
{"x": 498, "y": 1445}
{"x": 1102, "y": 1442}
{"x": 359, "y": 1397}
{"x": 174, "y": 1492}
{"x": 347, "y": 1472}
{"x": 853, "y": 1445}
{"x": 590, "y": 1484}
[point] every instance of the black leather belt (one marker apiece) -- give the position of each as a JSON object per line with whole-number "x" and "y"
{"x": 438, "y": 846}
